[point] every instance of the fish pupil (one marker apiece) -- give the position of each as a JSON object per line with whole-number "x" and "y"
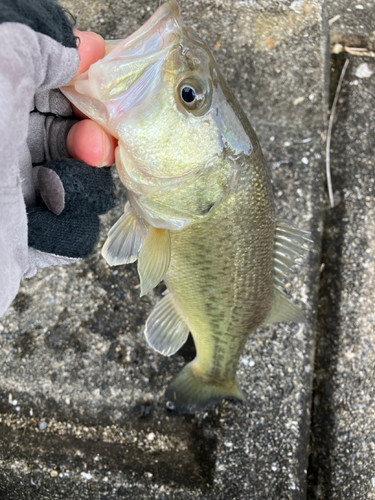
{"x": 188, "y": 94}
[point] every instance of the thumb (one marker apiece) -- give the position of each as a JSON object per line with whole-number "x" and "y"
{"x": 91, "y": 48}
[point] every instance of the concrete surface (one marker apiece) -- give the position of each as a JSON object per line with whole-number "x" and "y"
{"x": 352, "y": 23}
{"x": 343, "y": 462}
{"x": 342, "y": 436}
{"x": 81, "y": 395}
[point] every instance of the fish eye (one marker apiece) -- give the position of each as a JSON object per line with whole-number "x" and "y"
{"x": 188, "y": 94}
{"x": 192, "y": 95}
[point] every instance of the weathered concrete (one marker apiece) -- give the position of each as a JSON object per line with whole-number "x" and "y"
{"x": 343, "y": 460}
{"x": 355, "y": 25}
{"x": 82, "y": 411}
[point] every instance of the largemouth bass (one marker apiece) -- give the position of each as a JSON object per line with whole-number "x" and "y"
{"x": 201, "y": 212}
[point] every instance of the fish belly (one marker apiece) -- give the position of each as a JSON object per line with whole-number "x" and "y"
{"x": 221, "y": 275}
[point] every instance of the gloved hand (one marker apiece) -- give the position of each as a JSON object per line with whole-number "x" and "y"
{"x": 73, "y": 195}
{"x": 63, "y": 196}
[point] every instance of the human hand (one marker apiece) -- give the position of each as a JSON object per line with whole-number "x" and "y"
{"x": 49, "y": 202}
{"x": 87, "y": 140}
{"x": 74, "y": 194}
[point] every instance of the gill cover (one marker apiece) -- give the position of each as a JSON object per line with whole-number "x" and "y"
{"x": 160, "y": 93}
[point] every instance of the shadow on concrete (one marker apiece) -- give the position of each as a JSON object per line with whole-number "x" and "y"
{"x": 329, "y": 325}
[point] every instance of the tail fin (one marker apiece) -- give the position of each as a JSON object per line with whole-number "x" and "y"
{"x": 188, "y": 393}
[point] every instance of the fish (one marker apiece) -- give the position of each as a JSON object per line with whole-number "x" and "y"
{"x": 200, "y": 213}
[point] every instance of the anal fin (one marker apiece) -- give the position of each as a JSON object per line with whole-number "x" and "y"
{"x": 165, "y": 330}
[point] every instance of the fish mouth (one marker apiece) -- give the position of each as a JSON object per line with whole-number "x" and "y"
{"x": 132, "y": 70}
{"x": 161, "y": 21}
{"x": 144, "y": 51}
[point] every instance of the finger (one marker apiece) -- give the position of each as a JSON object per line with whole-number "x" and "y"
{"x": 88, "y": 141}
{"x": 91, "y": 48}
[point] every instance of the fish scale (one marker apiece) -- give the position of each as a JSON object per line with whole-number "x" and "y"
{"x": 235, "y": 277}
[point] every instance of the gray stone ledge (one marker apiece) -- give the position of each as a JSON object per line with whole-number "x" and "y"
{"x": 72, "y": 347}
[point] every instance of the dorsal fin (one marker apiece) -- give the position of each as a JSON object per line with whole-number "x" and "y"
{"x": 290, "y": 247}
{"x": 283, "y": 310}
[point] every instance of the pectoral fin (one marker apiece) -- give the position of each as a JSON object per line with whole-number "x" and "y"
{"x": 165, "y": 330}
{"x": 124, "y": 240}
{"x": 154, "y": 258}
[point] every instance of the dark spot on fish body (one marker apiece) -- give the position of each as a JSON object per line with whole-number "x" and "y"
{"x": 207, "y": 209}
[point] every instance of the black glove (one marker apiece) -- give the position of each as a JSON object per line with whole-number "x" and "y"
{"x": 74, "y": 195}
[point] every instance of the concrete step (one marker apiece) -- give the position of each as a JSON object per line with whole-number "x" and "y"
{"x": 342, "y": 459}
{"x": 82, "y": 411}
{"x": 342, "y": 463}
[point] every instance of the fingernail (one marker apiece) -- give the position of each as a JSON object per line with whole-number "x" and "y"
{"x": 84, "y": 35}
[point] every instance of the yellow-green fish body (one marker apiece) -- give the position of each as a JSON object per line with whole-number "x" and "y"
{"x": 221, "y": 276}
{"x": 201, "y": 213}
